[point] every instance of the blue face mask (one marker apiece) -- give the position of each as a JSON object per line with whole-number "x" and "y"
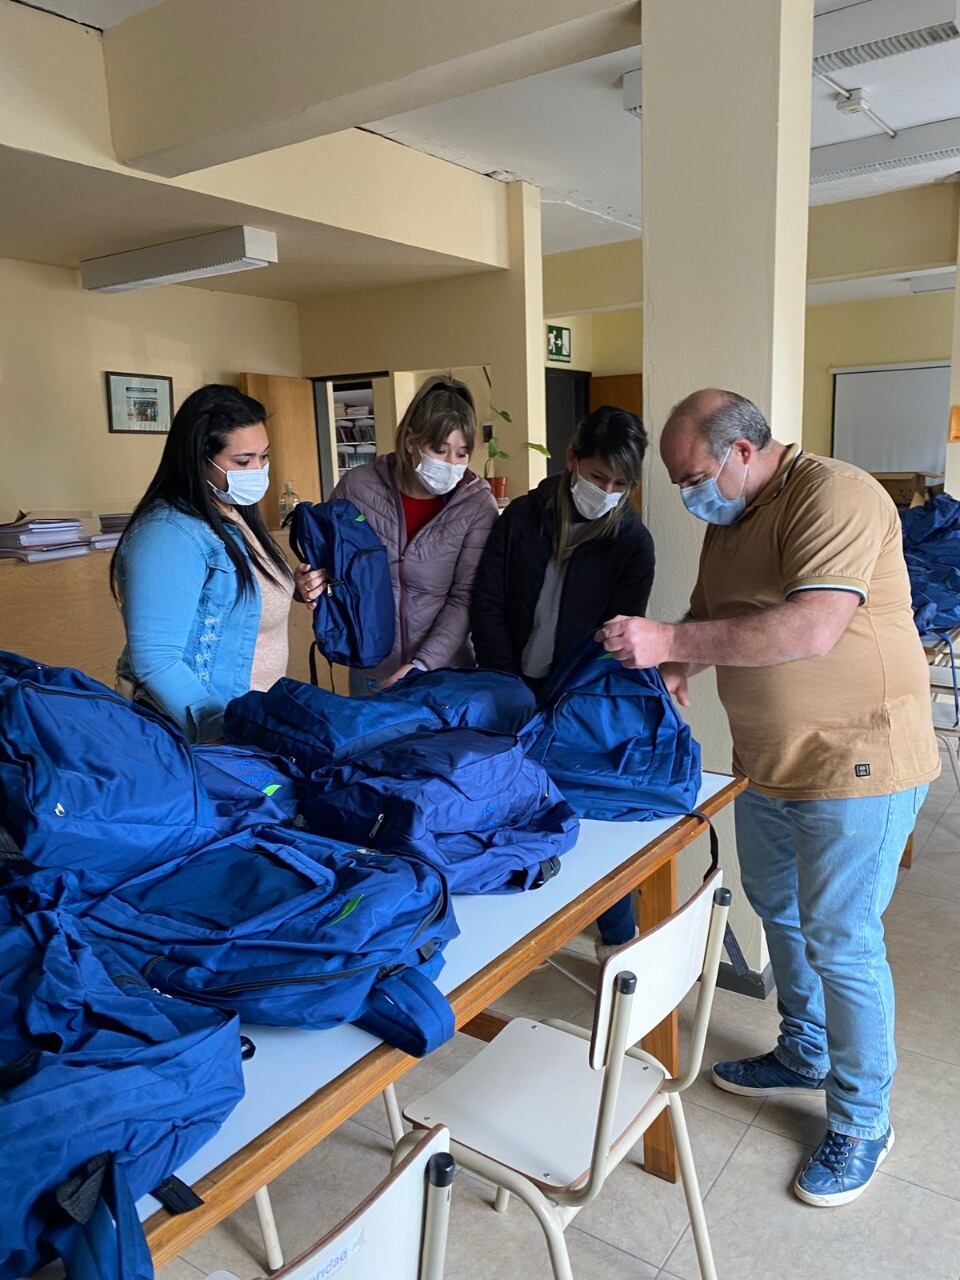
{"x": 245, "y": 487}
{"x": 706, "y": 502}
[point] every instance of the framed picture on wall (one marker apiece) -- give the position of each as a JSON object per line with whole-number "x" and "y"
{"x": 139, "y": 403}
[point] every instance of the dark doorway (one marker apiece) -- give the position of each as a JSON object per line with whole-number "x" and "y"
{"x": 568, "y": 397}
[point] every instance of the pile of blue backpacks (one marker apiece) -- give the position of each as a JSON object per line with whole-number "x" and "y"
{"x": 931, "y": 548}
{"x": 154, "y": 894}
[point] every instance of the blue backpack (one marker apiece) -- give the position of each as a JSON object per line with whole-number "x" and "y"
{"x": 467, "y": 801}
{"x": 288, "y": 929}
{"x": 92, "y": 782}
{"x": 106, "y": 1088}
{"x": 465, "y": 699}
{"x": 354, "y": 617}
{"x": 615, "y": 744}
{"x": 315, "y": 728}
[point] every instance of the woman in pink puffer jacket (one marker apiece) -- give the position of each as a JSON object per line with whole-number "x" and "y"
{"x": 433, "y": 515}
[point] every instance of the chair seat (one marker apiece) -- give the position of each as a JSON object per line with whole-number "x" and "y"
{"x": 529, "y": 1101}
{"x": 945, "y": 717}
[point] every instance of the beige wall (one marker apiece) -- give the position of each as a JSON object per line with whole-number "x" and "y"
{"x": 608, "y": 275}
{"x": 604, "y": 342}
{"x": 581, "y": 342}
{"x": 881, "y": 331}
{"x": 617, "y": 341}
{"x": 494, "y": 318}
{"x": 56, "y": 342}
{"x": 901, "y": 231}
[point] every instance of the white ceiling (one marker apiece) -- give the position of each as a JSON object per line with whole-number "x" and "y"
{"x": 567, "y": 133}
{"x": 94, "y": 13}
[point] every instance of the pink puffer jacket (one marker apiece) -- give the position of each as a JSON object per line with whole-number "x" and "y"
{"x": 433, "y": 573}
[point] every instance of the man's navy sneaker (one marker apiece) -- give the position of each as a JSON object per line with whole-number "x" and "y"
{"x": 761, "y": 1077}
{"x": 841, "y": 1168}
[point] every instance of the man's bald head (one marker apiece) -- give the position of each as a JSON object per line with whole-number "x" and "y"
{"x": 720, "y": 418}
{"x": 707, "y": 428}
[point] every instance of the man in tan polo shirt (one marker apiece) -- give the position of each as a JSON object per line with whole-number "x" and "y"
{"x": 802, "y": 604}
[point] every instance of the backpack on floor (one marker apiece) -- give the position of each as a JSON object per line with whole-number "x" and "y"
{"x": 106, "y": 1089}
{"x": 315, "y": 728}
{"x": 466, "y": 800}
{"x": 614, "y": 743}
{"x": 353, "y": 621}
{"x": 289, "y": 929}
{"x": 103, "y": 786}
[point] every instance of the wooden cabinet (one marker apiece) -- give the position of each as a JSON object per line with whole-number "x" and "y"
{"x": 292, "y": 424}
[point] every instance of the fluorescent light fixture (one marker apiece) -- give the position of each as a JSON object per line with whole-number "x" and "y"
{"x": 920, "y": 144}
{"x": 633, "y": 92}
{"x": 934, "y": 282}
{"x": 218, "y": 253}
{"x": 878, "y": 29}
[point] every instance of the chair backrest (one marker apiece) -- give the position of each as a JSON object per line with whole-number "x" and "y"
{"x": 667, "y": 960}
{"x": 400, "y": 1230}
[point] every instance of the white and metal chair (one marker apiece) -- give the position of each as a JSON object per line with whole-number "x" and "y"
{"x": 399, "y": 1231}
{"x": 265, "y": 1216}
{"x": 547, "y": 1110}
{"x": 946, "y": 714}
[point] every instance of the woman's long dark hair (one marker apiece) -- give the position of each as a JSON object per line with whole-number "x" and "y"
{"x": 199, "y": 431}
{"x": 620, "y": 439}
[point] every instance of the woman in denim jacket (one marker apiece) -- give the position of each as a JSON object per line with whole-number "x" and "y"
{"x": 204, "y": 589}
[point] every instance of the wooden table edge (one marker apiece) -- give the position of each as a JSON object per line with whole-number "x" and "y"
{"x": 238, "y": 1178}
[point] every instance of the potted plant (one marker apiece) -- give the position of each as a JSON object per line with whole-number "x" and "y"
{"x": 495, "y": 453}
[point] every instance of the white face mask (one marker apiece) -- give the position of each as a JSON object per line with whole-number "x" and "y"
{"x": 245, "y": 487}
{"x": 590, "y": 500}
{"x": 438, "y": 476}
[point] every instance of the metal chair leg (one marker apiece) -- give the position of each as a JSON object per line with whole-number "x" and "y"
{"x": 691, "y": 1188}
{"x": 268, "y": 1229}
{"x": 394, "y": 1118}
{"x": 950, "y": 745}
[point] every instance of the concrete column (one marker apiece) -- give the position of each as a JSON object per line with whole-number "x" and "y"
{"x": 726, "y": 139}
{"x": 951, "y": 481}
{"x": 519, "y": 381}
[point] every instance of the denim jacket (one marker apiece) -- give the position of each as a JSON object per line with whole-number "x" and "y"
{"x": 190, "y": 636}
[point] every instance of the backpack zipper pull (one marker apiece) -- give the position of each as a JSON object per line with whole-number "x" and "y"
{"x": 375, "y": 829}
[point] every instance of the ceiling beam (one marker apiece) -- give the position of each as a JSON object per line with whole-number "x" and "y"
{"x": 194, "y": 83}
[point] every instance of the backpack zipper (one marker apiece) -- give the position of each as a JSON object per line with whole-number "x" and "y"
{"x": 303, "y": 979}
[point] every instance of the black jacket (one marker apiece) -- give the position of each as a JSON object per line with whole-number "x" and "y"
{"x": 605, "y": 577}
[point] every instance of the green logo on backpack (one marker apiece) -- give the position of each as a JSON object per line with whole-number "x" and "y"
{"x": 348, "y": 909}
{"x": 359, "y": 519}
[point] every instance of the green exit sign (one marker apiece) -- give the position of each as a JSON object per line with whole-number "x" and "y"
{"x": 558, "y": 343}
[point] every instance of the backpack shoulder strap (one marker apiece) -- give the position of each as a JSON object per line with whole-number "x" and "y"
{"x": 406, "y": 1009}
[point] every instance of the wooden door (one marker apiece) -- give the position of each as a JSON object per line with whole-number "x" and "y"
{"x": 292, "y": 424}
{"x": 625, "y": 391}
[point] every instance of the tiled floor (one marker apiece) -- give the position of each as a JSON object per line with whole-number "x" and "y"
{"x": 907, "y": 1227}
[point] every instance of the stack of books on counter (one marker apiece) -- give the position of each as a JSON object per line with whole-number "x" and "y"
{"x": 112, "y": 526}
{"x": 40, "y": 538}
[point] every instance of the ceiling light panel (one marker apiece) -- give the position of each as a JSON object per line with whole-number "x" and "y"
{"x": 880, "y": 29}
{"x": 217, "y": 253}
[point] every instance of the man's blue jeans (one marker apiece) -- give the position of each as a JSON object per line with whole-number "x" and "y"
{"x": 820, "y": 874}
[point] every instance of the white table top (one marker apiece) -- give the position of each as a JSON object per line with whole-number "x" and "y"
{"x": 290, "y": 1063}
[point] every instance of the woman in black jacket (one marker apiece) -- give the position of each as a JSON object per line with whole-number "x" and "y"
{"x": 561, "y": 561}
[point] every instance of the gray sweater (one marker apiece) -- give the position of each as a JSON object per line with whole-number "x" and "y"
{"x": 433, "y": 573}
